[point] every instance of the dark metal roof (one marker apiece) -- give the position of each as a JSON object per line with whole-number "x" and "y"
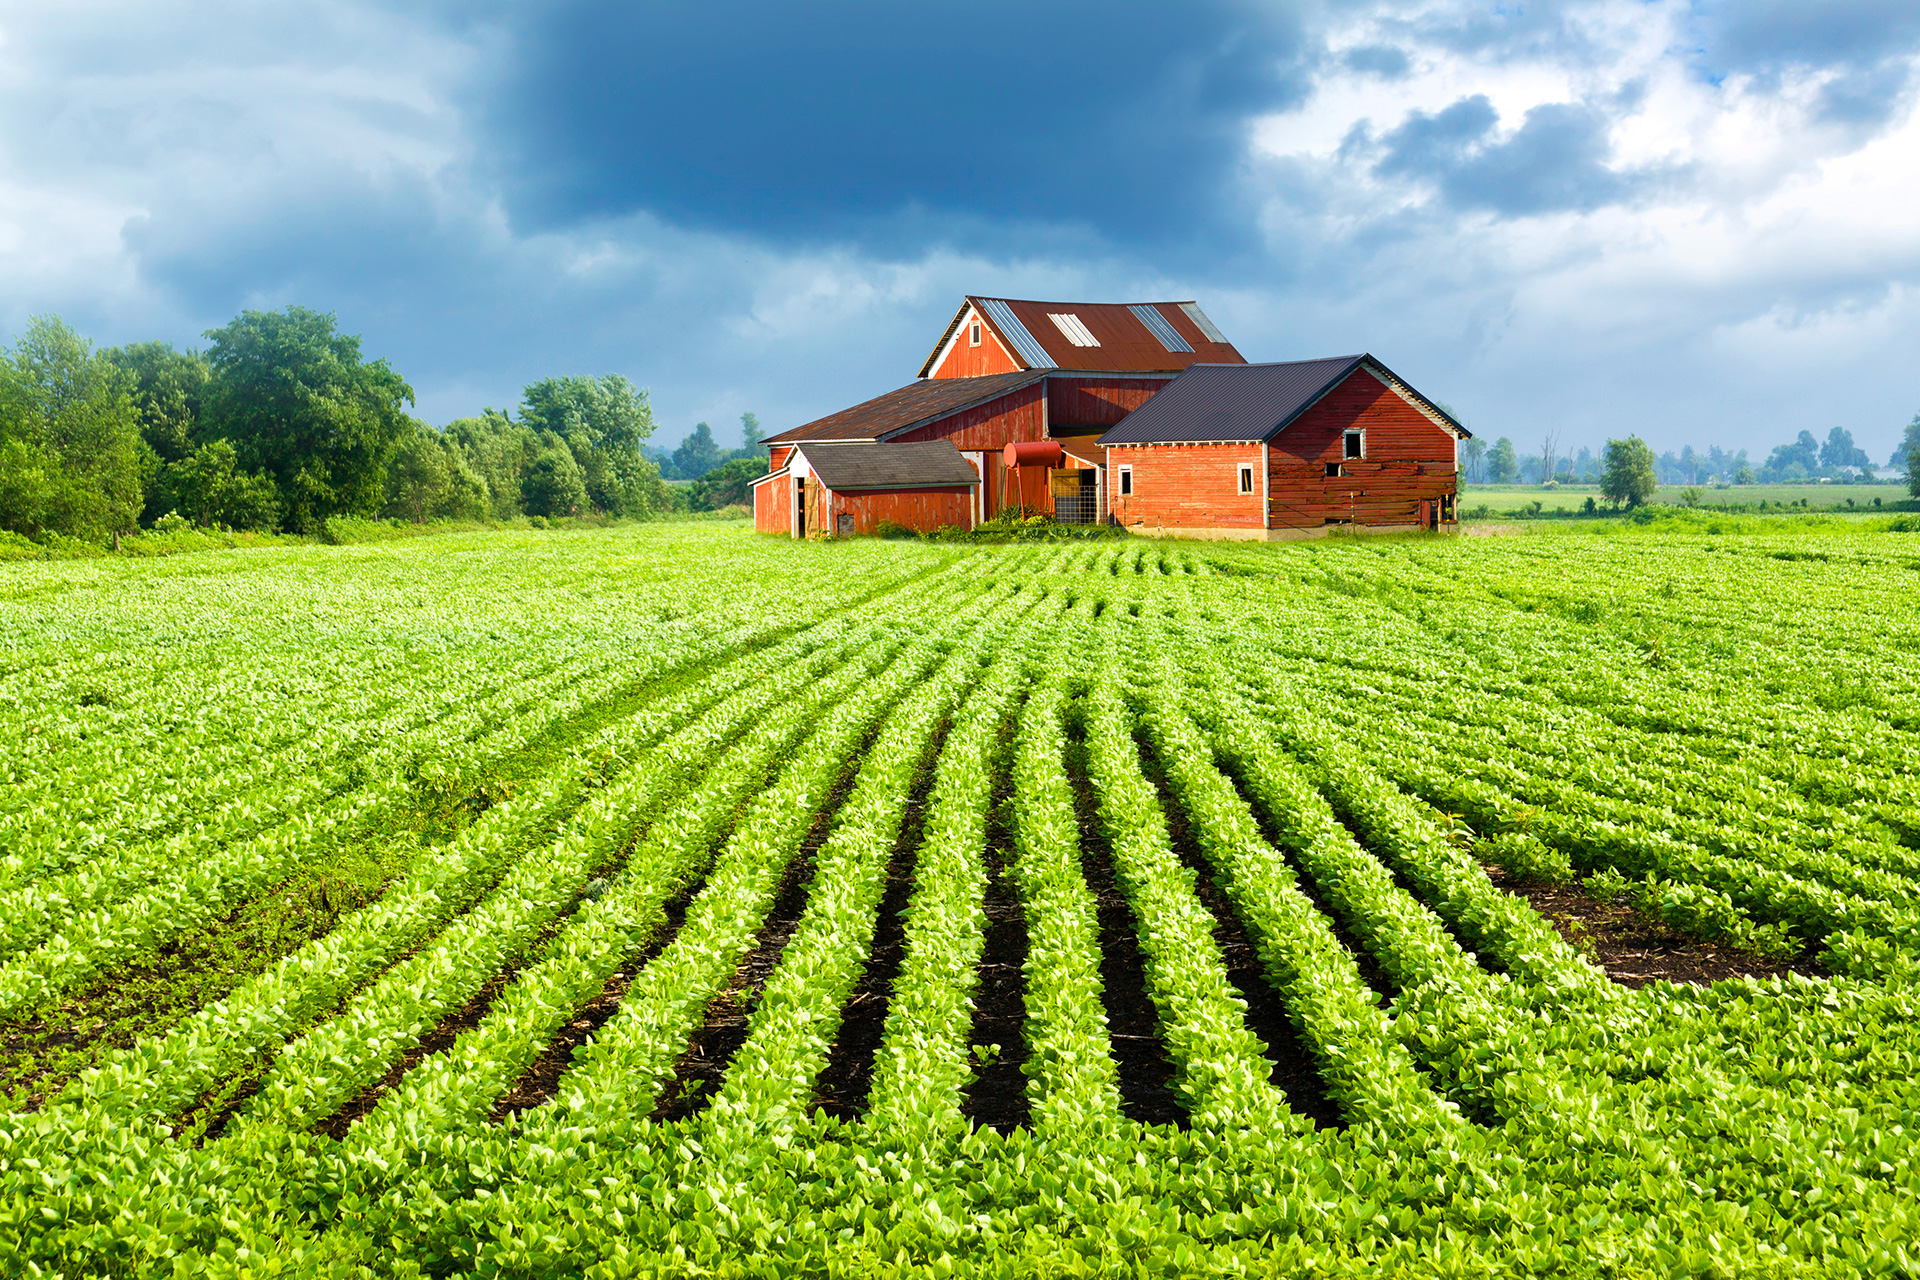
{"x": 913, "y": 464}
{"x": 1247, "y": 401}
{"x": 1126, "y": 342}
{"x": 910, "y": 406}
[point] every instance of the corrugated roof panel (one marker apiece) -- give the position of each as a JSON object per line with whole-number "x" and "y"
{"x": 911, "y": 405}
{"x": 1199, "y": 318}
{"x": 1230, "y": 401}
{"x": 1010, "y": 327}
{"x": 1076, "y": 333}
{"x": 1149, "y": 315}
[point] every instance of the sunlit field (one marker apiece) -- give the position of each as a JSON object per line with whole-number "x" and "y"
{"x": 672, "y": 900}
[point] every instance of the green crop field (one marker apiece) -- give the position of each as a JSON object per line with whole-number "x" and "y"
{"x": 664, "y": 900}
{"x": 1570, "y": 499}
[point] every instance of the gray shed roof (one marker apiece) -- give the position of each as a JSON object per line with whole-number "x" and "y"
{"x": 1248, "y": 401}
{"x": 918, "y": 464}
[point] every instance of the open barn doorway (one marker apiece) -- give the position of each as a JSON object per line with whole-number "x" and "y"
{"x": 1073, "y": 495}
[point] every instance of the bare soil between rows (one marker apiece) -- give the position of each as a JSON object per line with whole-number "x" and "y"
{"x": 1635, "y": 949}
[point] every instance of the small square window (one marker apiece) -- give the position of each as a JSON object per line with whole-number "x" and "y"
{"x": 1353, "y": 446}
{"x": 1246, "y": 479}
{"x": 1126, "y": 481}
{"x": 1333, "y": 469}
{"x": 973, "y": 333}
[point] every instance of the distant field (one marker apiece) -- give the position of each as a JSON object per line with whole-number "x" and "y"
{"x": 1569, "y": 499}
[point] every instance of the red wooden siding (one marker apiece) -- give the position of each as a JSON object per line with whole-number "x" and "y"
{"x": 1185, "y": 486}
{"x": 779, "y": 455}
{"x": 773, "y": 506}
{"x": 1409, "y": 461}
{"x": 993, "y": 425}
{"x": 965, "y": 361}
{"x": 1095, "y": 402}
{"x": 921, "y": 509}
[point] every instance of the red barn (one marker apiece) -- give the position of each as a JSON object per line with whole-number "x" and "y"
{"x": 1277, "y": 451}
{"x": 1006, "y": 372}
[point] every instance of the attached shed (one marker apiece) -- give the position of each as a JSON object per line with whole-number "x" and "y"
{"x": 844, "y": 488}
{"x": 1276, "y": 451}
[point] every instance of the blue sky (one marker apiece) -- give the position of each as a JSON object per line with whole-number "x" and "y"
{"x": 1691, "y": 221}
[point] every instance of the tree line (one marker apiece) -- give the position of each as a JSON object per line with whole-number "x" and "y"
{"x": 279, "y": 423}
{"x": 1806, "y": 458}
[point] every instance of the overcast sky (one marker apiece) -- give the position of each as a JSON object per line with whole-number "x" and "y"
{"x": 1697, "y": 222}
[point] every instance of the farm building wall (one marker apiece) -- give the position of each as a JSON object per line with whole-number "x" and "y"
{"x": 1185, "y": 486}
{"x": 1018, "y": 415}
{"x": 778, "y": 455}
{"x": 1095, "y": 402}
{"x": 773, "y": 506}
{"x": 963, "y": 360}
{"x": 920, "y": 509}
{"x": 1407, "y": 468}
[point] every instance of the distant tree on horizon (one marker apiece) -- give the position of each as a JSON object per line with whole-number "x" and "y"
{"x": 1628, "y": 477}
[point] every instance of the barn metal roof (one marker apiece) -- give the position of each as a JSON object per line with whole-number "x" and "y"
{"x": 913, "y": 464}
{"x": 1249, "y": 401}
{"x": 913, "y": 405}
{"x": 1127, "y": 339}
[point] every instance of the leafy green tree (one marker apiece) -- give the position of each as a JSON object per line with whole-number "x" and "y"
{"x": 727, "y": 485}
{"x": 71, "y": 458}
{"x": 1793, "y": 461}
{"x": 213, "y": 490}
{"x": 751, "y": 434}
{"x": 430, "y": 479}
{"x": 1907, "y": 457}
{"x": 1744, "y": 475}
{"x": 296, "y": 400}
{"x": 697, "y": 454}
{"x": 608, "y": 412}
{"x": 604, "y": 422}
{"x": 1627, "y": 474}
{"x": 1502, "y": 463}
{"x": 498, "y": 451}
{"x": 168, "y": 388}
{"x": 1841, "y": 451}
{"x": 1472, "y": 456}
{"x": 554, "y": 484}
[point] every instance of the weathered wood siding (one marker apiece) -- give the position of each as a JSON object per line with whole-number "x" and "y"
{"x": 1179, "y": 486}
{"x": 1408, "y": 467}
{"x": 964, "y": 361}
{"x": 773, "y": 506}
{"x": 993, "y": 425}
{"x": 778, "y": 455}
{"x": 920, "y": 509}
{"x": 1095, "y": 402}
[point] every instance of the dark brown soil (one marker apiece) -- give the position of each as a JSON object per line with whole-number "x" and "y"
{"x": 1636, "y": 949}
{"x": 846, "y": 1081}
{"x": 698, "y": 1074}
{"x": 1294, "y": 1071}
{"x": 1385, "y": 989}
{"x": 997, "y": 1097}
{"x": 1146, "y": 1070}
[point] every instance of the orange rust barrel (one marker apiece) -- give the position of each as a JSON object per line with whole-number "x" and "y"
{"x": 1033, "y": 453}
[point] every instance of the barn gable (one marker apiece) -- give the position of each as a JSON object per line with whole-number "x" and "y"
{"x": 1112, "y": 337}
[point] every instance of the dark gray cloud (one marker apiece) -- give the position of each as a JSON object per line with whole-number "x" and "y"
{"x": 776, "y": 208}
{"x": 1383, "y": 60}
{"x": 878, "y": 121}
{"x": 1557, "y": 160}
{"x": 1757, "y": 35}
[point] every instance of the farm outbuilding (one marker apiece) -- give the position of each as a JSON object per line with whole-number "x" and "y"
{"x": 1140, "y": 414}
{"x": 1279, "y": 451}
{"x": 1006, "y": 372}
